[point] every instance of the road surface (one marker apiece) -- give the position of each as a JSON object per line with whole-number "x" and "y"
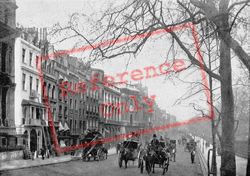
{"x": 109, "y": 167}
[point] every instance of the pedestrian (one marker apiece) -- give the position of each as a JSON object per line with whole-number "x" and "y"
{"x": 118, "y": 146}
{"x": 42, "y": 152}
{"x": 192, "y": 156}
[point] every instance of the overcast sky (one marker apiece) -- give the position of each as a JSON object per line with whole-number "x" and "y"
{"x": 45, "y": 13}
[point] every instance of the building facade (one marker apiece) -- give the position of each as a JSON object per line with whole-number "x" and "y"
{"x": 110, "y": 110}
{"x": 8, "y": 33}
{"x": 30, "y": 113}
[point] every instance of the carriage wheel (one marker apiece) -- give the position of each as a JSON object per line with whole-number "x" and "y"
{"x": 141, "y": 166}
{"x": 100, "y": 155}
{"x": 83, "y": 158}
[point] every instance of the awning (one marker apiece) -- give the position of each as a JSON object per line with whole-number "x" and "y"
{"x": 62, "y": 143}
{"x": 106, "y": 130}
{"x": 64, "y": 78}
{"x": 60, "y": 77}
{"x": 66, "y": 127}
{"x": 61, "y": 128}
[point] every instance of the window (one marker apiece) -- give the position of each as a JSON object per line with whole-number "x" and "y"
{"x": 6, "y": 16}
{"x": 23, "y": 81}
{"x": 75, "y": 104}
{"x": 70, "y": 124}
{"x": 60, "y": 110}
{"x": 80, "y": 126}
{"x": 54, "y": 114}
{"x": 30, "y": 63}
{"x": 44, "y": 89}
{"x": 37, "y": 62}
{"x": 49, "y": 93}
{"x": 3, "y": 54}
{"x": 37, "y": 84}
{"x": 23, "y": 55}
{"x": 65, "y": 112}
{"x": 38, "y": 113}
{"x": 31, "y": 82}
{"x": 53, "y": 92}
{"x": 32, "y": 112}
{"x": 60, "y": 94}
{"x": 70, "y": 103}
{"x": 24, "y": 114}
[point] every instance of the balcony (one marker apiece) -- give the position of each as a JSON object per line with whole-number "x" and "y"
{"x": 53, "y": 100}
{"x": 33, "y": 94}
{"x": 6, "y": 123}
{"x": 33, "y": 122}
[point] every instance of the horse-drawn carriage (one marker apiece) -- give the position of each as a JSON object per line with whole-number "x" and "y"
{"x": 151, "y": 156}
{"x": 128, "y": 152}
{"x": 96, "y": 149}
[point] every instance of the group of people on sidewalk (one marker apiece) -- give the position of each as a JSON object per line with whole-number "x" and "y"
{"x": 43, "y": 152}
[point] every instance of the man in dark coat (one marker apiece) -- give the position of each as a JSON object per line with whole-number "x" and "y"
{"x": 192, "y": 156}
{"x": 155, "y": 142}
{"x": 42, "y": 152}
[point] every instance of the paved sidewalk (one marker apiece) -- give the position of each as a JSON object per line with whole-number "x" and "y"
{"x": 19, "y": 164}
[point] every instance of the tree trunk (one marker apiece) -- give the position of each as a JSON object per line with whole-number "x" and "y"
{"x": 248, "y": 153}
{"x": 228, "y": 165}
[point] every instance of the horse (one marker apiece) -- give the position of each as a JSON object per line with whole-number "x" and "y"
{"x": 153, "y": 157}
{"x": 126, "y": 155}
{"x": 102, "y": 152}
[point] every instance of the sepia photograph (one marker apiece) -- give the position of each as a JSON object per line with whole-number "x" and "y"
{"x": 124, "y": 87}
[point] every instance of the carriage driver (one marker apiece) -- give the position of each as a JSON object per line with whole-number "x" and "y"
{"x": 155, "y": 142}
{"x": 161, "y": 139}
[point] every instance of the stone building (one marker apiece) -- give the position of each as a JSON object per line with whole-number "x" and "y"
{"x": 30, "y": 113}
{"x": 66, "y": 112}
{"x": 110, "y": 110}
{"x": 8, "y": 33}
{"x": 132, "y": 112}
{"x": 94, "y": 98}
